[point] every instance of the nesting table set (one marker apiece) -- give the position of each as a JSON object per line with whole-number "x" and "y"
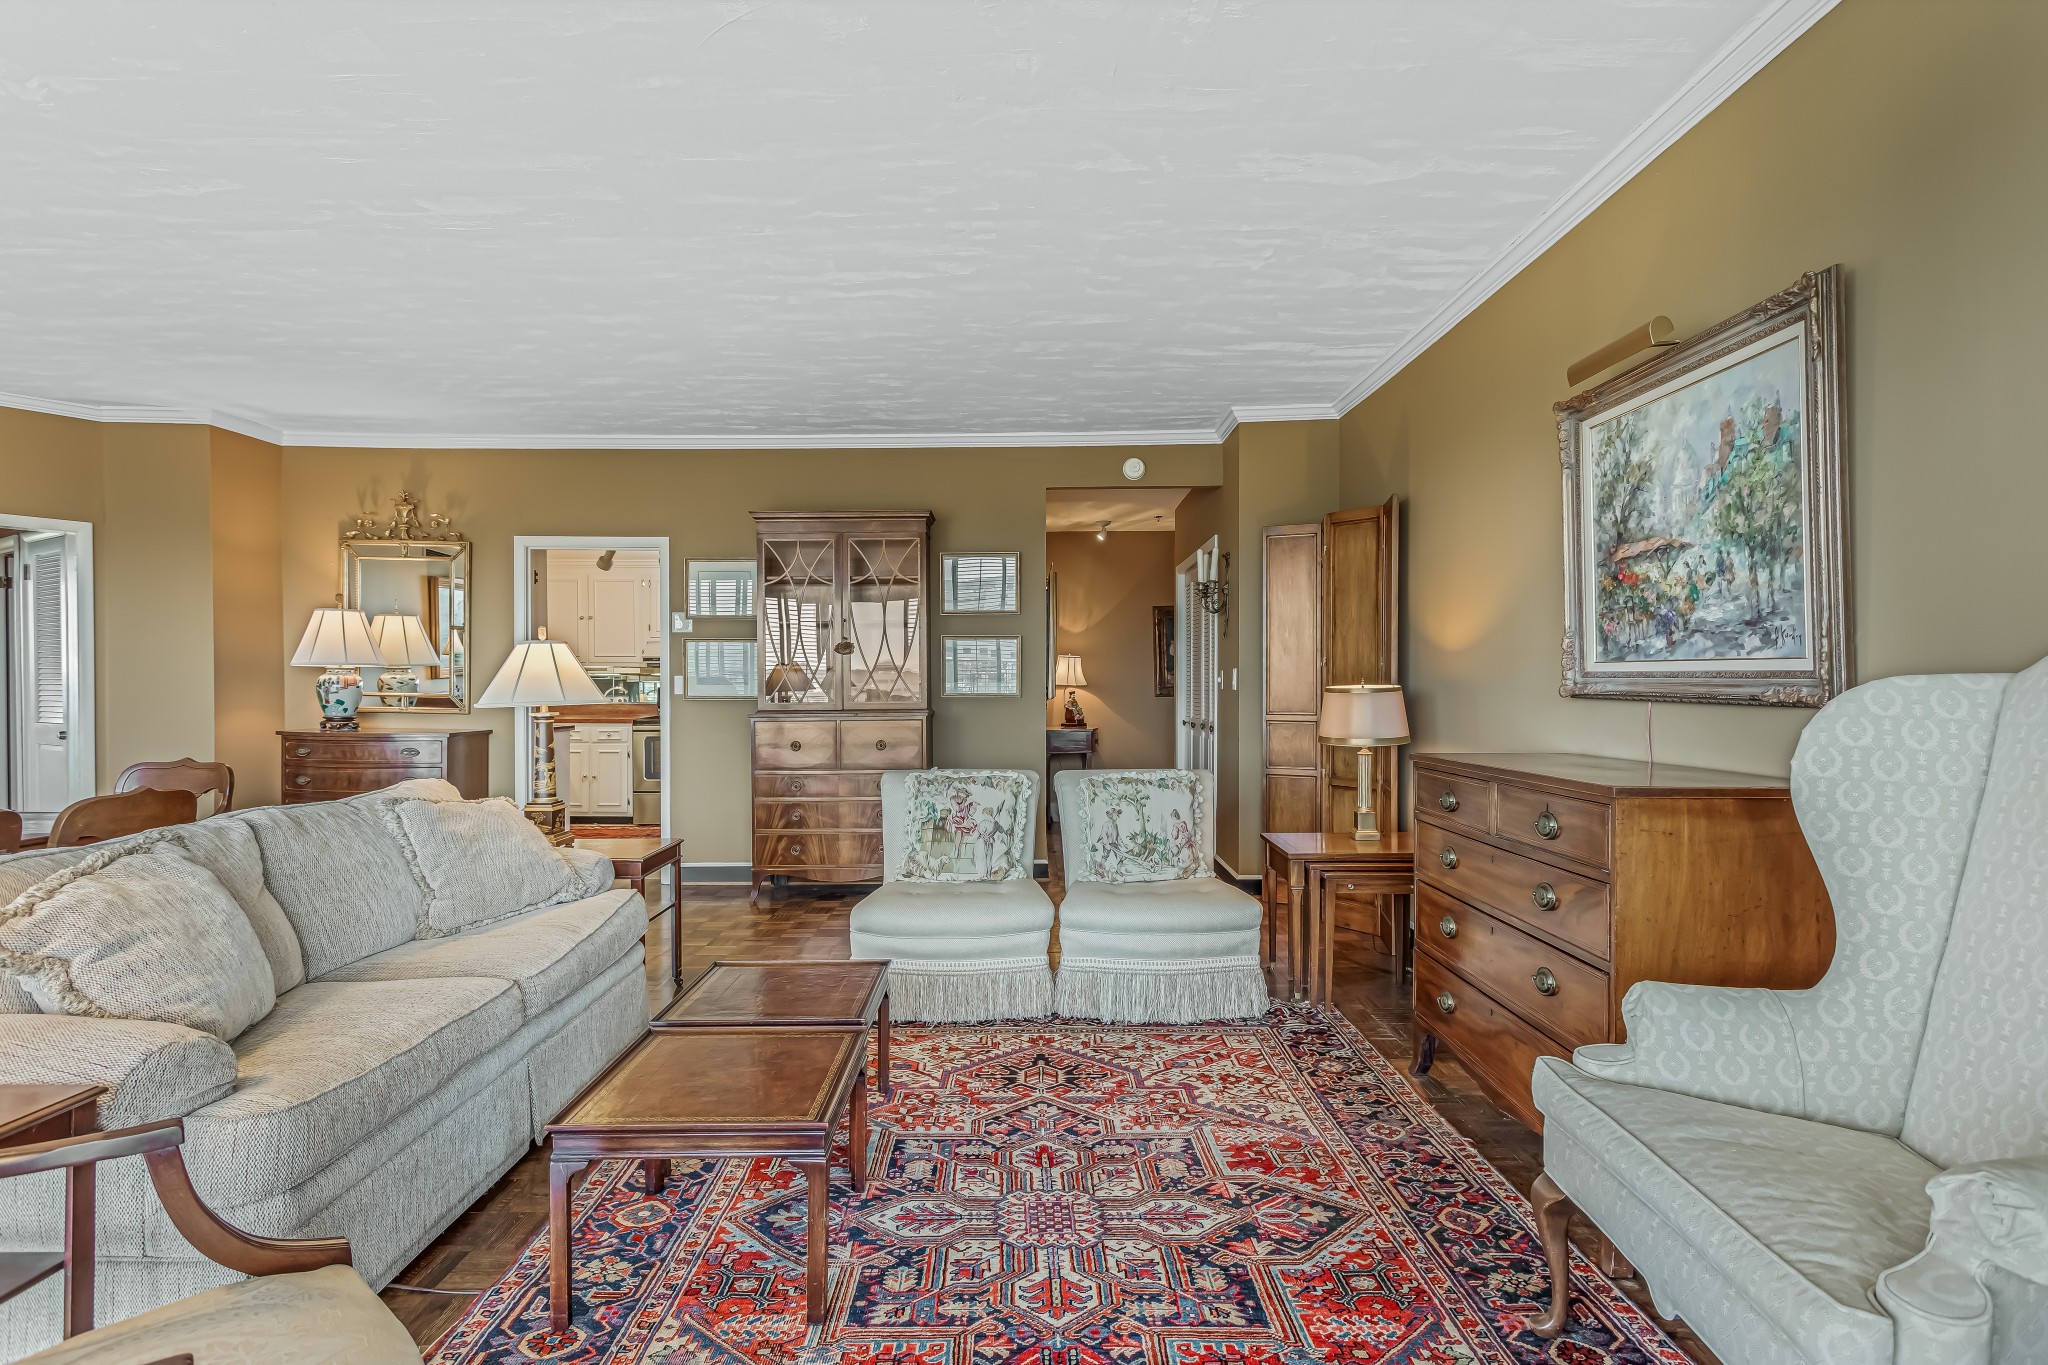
{"x": 754, "y": 1059}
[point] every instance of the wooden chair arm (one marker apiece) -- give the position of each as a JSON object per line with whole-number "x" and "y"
{"x": 88, "y": 1148}
{"x": 224, "y": 1243}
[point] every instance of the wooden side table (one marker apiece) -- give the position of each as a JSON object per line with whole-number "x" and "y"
{"x": 636, "y": 860}
{"x": 1310, "y": 877}
{"x": 794, "y": 994}
{"x": 1066, "y": 742}
{"x": 45, "y": 1113}
{"x": 712, "y": 1093}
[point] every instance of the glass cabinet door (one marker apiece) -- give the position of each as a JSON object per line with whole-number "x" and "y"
{"x": 799, "y": 597}
{"x": 884, "y": 607}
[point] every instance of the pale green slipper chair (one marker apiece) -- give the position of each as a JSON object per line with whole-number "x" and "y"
{"x": 965, "y": 928}
{"x": 1149, "y": 934}
{"x": 1855, "y": 1174}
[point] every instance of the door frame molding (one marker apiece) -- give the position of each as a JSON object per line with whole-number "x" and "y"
{"x": 522, "y": 616}
{"x": 81, "y": 687}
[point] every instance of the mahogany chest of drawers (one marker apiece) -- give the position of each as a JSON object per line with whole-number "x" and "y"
{"x": 818, "y": 792}
{"x": 1548, "y": 884}
{"x": 324, "y": 765}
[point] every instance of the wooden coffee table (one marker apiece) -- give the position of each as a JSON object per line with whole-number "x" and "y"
{"x": 795, "y": 994}
{"x": 714, "y": 1092}
{"x": 31, "y": 1114}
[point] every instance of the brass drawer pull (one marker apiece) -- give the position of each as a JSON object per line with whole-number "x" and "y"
{"x": 301, "y": 751}
{"x": 796, "y": 784}
{"x": 1546, "y": 983}
{"x": 881, "y": 744}
{"x": 1449, "y": 800}
{"x": 796, "y": 848}
{"x": 1447, "y": 926}
{"x": 1545, "y": 896}
{"x": 1351, "y": 886}
{"x": 796, "y": 746}
{"x": 1445, "y": 1003}
{"x": 410, "y": 752}
{"x": 303, "y": 780}
{"x": 1546, "y": 824}
{"x": 1449, "y": 857}
{"x": 796, "y": 817}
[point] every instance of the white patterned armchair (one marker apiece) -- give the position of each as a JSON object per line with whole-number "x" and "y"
{"x": 1855, "y": 1174}
{"x": 965, "y": 928}
{"x": 1149, "y": 934}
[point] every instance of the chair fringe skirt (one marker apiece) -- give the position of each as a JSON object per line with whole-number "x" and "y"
{"x": 970, "y": 992}
{"x": 1141, "y": 992}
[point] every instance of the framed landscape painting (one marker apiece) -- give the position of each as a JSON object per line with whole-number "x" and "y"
{"x": 1705, "y": 553}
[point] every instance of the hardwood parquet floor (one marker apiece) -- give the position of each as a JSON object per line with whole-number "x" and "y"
{"x": 810, "y": 922}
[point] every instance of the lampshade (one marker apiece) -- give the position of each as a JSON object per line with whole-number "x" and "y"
{"x": 1068, "y": 672}
{"x": 540, "y": 673}
{"x": 336, "y": 637}
{"x": 1370, "y": 714}
{"x": 403, "y": 641}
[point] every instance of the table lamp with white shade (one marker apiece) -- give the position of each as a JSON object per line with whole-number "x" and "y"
{"x": 1364, "y": 716}
{"x": 403, "y": 642}
{"x": 338, "y": 640}
{"x": 1067, "y": 673}
{"x": 541, "y": 673}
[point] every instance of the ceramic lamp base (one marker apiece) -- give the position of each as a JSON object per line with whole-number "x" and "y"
{"x": 340, "y": 695}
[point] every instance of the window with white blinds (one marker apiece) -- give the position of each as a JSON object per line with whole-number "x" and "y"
{"x": 980, "y": 583}
{"x": 721, "y": 587}
{"x": 46, "y": 592}
{"x": 719, "y": 668}
{"x": 980, "y": 666}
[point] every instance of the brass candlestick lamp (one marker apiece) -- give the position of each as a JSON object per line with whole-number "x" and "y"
{"x": 541, "y": 673}
{"x": 1364, "y": 716}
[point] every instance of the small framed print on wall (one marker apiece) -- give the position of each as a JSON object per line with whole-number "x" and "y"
{"x": 720, "y": 668}
{"x": 979, "y": 665}
{"x": 984, "y": 584}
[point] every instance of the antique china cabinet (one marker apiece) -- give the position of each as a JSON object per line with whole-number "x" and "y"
{"x": 843, "y": 689}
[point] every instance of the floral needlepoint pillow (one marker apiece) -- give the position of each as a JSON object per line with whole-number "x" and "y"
{"x": 1141, "y": 827}
{"x": 960, "y": 827}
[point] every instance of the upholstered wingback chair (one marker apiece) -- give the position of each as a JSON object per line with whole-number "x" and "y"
{"x": 965, "y": 927}
{"x": 1854, "y": 1174}
{"x": 1148, "y": 932}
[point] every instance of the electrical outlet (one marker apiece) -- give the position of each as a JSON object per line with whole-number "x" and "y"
{"x": 1233, "y": 680}
{"x": 681, "y": 623}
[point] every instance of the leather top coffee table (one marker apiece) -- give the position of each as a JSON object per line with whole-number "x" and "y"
{"x": 793, "y": 993}
{"x": 714, "y": 1092}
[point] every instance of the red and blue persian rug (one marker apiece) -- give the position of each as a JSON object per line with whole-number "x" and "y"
{"x": 1068, "y": 1193}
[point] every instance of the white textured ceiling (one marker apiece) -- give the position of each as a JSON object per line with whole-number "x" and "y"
{"x": 811, "y": 218}
{"x": 1147, "y": 507}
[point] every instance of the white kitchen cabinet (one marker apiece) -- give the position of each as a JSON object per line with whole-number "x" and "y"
{"x": 604, "y": 614}
{"x": 601, "y": 772}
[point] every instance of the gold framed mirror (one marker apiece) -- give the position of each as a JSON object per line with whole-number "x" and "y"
{"x": 416, "y": 596}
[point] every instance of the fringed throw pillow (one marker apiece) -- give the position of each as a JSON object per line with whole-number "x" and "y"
{"x": 478, "y": 861}
{"x": 1141, "y": 827}
{"x": 961, "y": 827}
{"x": 138, "y": 931}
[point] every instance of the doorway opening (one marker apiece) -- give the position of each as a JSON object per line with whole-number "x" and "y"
{"x": 607, "y": 599}
{"x": 1113, "y": 647}
{"x": 47, "y": 721}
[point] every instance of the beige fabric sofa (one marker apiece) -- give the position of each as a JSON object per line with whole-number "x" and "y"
{"x": 396, "y": 1079}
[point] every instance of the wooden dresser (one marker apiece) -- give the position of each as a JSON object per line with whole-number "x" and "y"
{"x": 843, "y": 617}
{"x": 322, "y": 765}
{"x": 1548, "y": 884}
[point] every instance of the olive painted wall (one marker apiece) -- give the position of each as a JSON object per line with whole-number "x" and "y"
{"x": 1107, "y": 591}
{"x": 1900, "y": 138}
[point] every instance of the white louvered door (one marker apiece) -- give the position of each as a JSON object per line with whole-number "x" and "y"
{"x": 44, "y": 699}
{"x": 1195, "y": 680}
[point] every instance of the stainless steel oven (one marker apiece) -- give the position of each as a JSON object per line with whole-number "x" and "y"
{"x": 647, "y": 772}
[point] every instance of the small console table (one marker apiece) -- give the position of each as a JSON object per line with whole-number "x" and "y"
{"x": 1311, "y": 879}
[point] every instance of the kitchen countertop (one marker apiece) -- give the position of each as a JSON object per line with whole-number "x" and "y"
{"x": 608, "y": 713}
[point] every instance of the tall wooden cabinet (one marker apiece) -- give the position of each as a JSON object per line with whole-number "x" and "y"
{"x": 1548, "y": 884}
{"x": 843, "y": 614}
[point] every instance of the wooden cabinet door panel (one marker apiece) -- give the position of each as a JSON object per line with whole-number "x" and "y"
{"x": 1293, "y": 678}
{"x": 881, "y": 743}
{"x": 796, "y": 744}
{"x": 617, "y": 628}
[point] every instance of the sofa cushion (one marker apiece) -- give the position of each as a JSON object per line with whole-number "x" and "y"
{"x": 548, "y": 954}
{"x": 317, "y": 1317}
{"x": 335, "y": 1061}
{"x": 228, "y": 849}
{"x": 1798, "y": 1217}
{"x": 1147, "y": 921}
{"x": 948, "y": 909}
{"x": 591, "y": 870}
{"x": 340, "y": 876}
{"x": 156, "y": 1071}
{"x": 1139, "y": 827}
{"x": 138, "y": 931}
{"x": 476, "y": 861}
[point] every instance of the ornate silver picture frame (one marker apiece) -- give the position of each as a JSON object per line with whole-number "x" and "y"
{"x": 1705, "y": 537}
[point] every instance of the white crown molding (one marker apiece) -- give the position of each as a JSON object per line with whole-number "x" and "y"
{"x": 902, "y": 440}
{"x": 1741, "y": 57}
{"x": 130, "y": 412}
